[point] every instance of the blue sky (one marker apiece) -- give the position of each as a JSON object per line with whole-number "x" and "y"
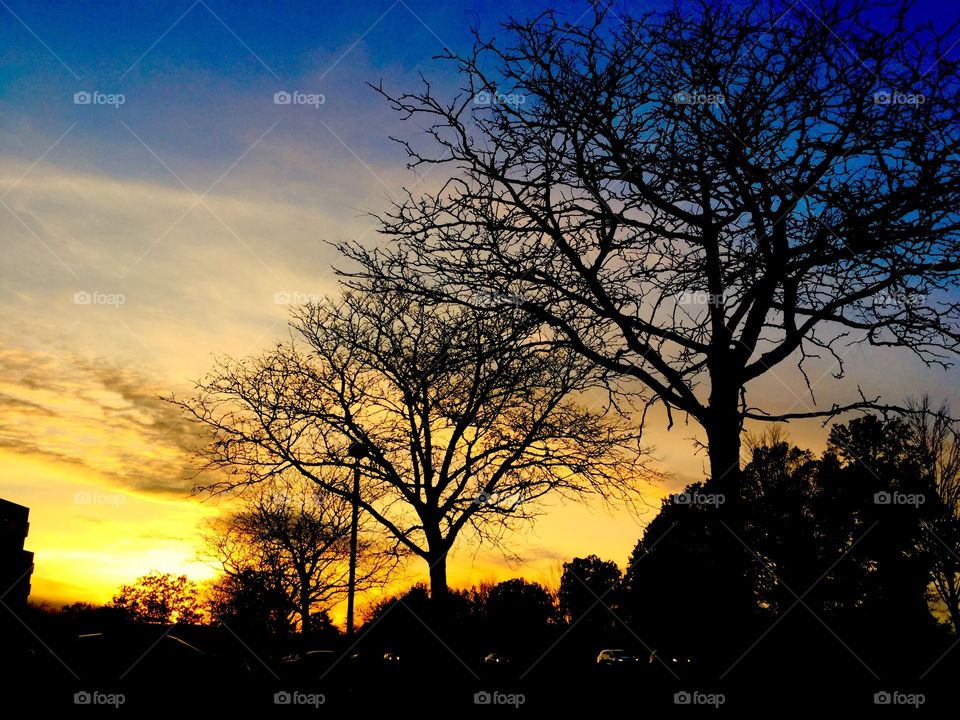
{"x": 199, "y": 77}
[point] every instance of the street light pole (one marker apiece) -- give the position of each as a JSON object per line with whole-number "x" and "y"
{"x": 357, "y": 451}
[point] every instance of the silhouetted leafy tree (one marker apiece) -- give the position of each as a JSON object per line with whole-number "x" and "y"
{"x": 779, "y": 487}
{"x": 588, "y": 586}
{"x": 513, "y": 618}
{"x": 161, "y": 598}
{"x": 695, "y": 197}
{"x": 518, "y": 609}
{"x": 417, "y": 599}
{"x": 407, "y": 622}
{"x": 887, "y": 496}
{"x": 251, "y": 603}
{"x": 687, "y": 583}
{"x": 844, "y": 533}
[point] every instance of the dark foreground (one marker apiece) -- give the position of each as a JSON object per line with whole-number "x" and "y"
{"x": 146, "y": 669}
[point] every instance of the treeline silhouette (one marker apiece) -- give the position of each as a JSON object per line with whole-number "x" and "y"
{"x": 826, "y": 575}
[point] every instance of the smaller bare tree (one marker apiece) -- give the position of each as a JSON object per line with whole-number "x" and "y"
{"x": 937, "y": 437}
{"x": 292, "y": 539}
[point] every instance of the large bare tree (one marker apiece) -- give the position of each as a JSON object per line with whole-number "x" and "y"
{"x": 693, "y": 198}
{"x": 467, "y": 420}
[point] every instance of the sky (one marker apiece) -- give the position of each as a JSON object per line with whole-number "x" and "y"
{"x": 157, "y": 207}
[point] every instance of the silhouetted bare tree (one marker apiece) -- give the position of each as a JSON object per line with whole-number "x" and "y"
{"x": 290, "y": 539}
{"x": 468, "y": 420}
{"x": 693, "y": 198}
{"x": 937, "y": 438}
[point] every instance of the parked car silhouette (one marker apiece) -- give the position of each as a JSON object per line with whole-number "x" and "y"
{"x": 616, "y": 657}
{"x": 496, "y": 659}
{"x": 105, "y": 656}
{"x": 308, "y": 666}
{"x": 679, "y": 664}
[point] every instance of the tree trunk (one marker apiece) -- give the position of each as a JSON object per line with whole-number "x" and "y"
{"x": 438, "y": 579}
{"x": 954, "y": 604}
{"x": 305, "y": 608}
{"x": 439, "y": 592}
{"x": 436, "y": 557}
{"x": 733, "y": 600}
{"x": 723, "y": 449}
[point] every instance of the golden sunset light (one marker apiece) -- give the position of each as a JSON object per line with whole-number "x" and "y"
{"x": 580, "y": 355}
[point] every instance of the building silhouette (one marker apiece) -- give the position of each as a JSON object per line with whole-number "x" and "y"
{"x": 16, "y": 564}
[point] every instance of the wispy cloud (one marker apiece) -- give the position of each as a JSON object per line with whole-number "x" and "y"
{"x": 95, "y": 416}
